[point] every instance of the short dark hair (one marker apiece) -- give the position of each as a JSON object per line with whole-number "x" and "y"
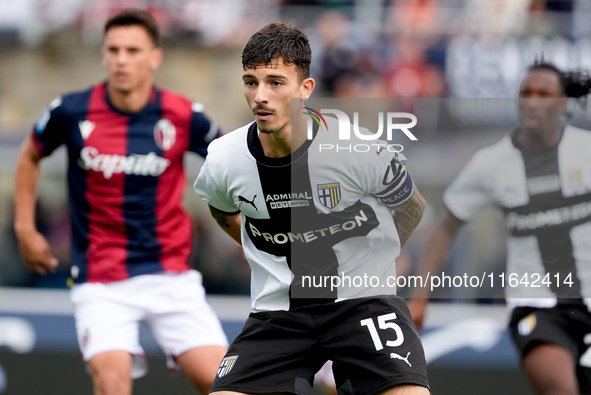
{"x": 133, "y": 17}
{"x": 574, "y": 83}
{"x": 279, "y": 39}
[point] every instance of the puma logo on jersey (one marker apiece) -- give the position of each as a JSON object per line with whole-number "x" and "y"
{"x": 398, "y": 356}
{"x": 243, "y": 199}
{"x": 86, "y": 127}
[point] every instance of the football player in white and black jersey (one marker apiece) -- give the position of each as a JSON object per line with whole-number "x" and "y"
{"x": 540, "y": 176}
{"x": 315, "y": 227}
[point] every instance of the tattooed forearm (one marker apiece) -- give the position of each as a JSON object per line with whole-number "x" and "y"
{"x": 408, "y": 215}
{"x": 230, "y": 223}
{"x": 220, "y": 218}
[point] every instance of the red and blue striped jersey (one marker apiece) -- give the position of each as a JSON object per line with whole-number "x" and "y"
{"x": 126, "y": 180}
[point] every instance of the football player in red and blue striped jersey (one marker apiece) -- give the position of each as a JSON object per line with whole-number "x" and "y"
{"x": 125, "y": 141}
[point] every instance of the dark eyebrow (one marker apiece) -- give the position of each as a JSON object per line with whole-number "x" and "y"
{"x": 129, "y": 48}
{"x": 276, "y": 77}
{"x": 268, "y": 77}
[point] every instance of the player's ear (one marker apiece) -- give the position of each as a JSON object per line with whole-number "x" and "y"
{"x": 307, "y": 87}
{"x": 156, "y": 58}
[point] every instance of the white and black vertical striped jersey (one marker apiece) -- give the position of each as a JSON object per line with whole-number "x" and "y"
{"x": 315, "y": 225}
{"x": 546, "y": 198}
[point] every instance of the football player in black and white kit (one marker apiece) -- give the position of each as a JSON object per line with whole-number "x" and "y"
{"x": 319, "y": 233}
{"x": 540, "y": 175}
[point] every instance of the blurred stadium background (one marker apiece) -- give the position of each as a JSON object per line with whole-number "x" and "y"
{"x": 446, "y": 52}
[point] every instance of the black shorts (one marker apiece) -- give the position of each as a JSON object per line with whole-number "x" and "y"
{"x": 372, "y": 342}
{"x": 563, "y": 325}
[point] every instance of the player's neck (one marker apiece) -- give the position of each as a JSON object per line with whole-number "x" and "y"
{"x": 541, "y": 141}
{"x": 284, "y": 141}
{"x": 130, "y": 101}
{"x": 277, "y": 144}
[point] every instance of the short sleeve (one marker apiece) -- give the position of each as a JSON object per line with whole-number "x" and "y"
{"x": 203, "y": 130}
{"x": 467, "y": 195}
{"x": 50, "y": 129}
{"x": 210, "y": 191}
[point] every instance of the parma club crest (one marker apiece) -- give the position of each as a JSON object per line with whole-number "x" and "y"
{"x": 527, "y": 325}
{"x": 226, "y": 365}
{"x": 329, "y": 194}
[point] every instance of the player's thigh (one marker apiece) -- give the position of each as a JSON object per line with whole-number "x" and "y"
{"x": 584, "y": 376}
{"x": 105, "y": 321}
{"x": 180, "y": 317}
{"x": 201, "y": 364}
{"x": 375, "y": 347}
{"x": 551, "y": 370}
{"x": 113, "y": 365}
{"x": 545, "y": 339}
{"x": 111, "y": 373}
{"x": 205, "y": 357}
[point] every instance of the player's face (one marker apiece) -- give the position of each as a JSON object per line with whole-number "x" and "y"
{"x": 130, "y": 58}
{"x": 541, "y": 101}
{"x": 269, "y": 90}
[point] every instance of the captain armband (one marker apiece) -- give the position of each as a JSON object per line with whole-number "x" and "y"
{"x": 399, "y": 195}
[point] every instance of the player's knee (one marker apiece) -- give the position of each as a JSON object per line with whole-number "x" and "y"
{"x": 200, "y": 365}
{"x": 107, "y": 375}
{"x": 201, "y": 384}
{"x": 110, "y": 375}
{"x": 110, "y": 382}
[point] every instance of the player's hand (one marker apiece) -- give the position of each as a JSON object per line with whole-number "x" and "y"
{"x": 36, "y": 253}
{"x": 418, "y": 307}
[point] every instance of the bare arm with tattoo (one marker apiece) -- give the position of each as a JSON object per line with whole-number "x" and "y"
{"x": 408, "y": 215}
{"x": 229, "y": 223}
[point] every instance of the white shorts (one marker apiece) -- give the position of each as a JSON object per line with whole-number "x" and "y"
{"x": 172, "y": 305}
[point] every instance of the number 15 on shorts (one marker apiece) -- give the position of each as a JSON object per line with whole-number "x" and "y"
{"x": 384, "y": 323}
